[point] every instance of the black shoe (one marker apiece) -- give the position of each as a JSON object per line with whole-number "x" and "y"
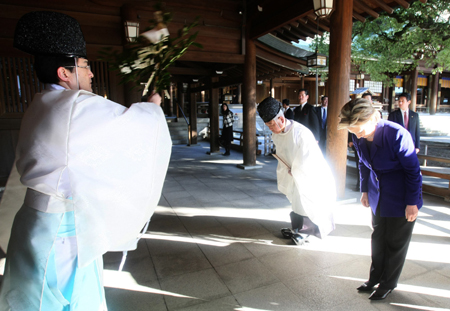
{"x": 366, "y": 287}
{"x": 226, "y": 154}
{"x": 297, "y": 239}
{"x": 287, "y": 233}
{"x": 380, "y": 294}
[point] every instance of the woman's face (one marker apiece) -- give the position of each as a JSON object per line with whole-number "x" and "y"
{"x": 364, "y": 130}
{"x": 224, "y": 107}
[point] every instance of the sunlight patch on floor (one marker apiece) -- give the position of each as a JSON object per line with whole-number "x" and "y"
{"x": 124, "y": 280}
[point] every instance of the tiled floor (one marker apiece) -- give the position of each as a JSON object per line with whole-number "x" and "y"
{"x": 214, "y": 244}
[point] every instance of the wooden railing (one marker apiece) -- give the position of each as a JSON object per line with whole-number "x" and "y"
{"x": 439, "y": 172}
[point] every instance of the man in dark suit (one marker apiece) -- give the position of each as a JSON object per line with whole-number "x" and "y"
{"x": 407, "y": 118}
{"x": 322, "y": 113}
{"x": 288, "y": 113}
{"x": 306, "y": 114}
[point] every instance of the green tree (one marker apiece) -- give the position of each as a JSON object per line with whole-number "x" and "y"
{"x": 392, "y": 44}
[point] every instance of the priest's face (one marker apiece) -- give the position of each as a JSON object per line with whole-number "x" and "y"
{"x": 85, "y": 74}
{"x": 276, "y": 125}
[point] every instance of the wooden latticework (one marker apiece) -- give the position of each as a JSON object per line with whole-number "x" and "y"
{"x": 19, "y": 83}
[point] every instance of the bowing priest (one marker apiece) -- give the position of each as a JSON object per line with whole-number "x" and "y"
{"x": 93, "y": 171}
{"x": 302, "y": 175}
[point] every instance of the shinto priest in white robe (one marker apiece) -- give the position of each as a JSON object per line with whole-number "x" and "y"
{"x": 102, "y": 165}
{"x": 310, "y": 188}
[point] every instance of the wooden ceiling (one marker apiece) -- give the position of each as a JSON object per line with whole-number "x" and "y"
{"x": 221, "y": 27}
{"x": 296, "y": 21}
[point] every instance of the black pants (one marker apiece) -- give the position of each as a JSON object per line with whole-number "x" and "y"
{"x": 390, "y": 241}
{"x": 296, "y": 221}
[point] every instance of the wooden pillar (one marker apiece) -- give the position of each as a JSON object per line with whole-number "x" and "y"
{"x": 170, "y": 108}
{"x": 193, "y": 118}
{"x": 214, "y": 118}
{"x": 433, "y": 97}
{"x": 249, "y": 104}
{"x": 339, "y": 69}
{"x": 239, "y": 90}
{"x": 438, "y": 107}
{"x": 391, "y": 96}
{"x": 180, "y": 100}
{"x": 414, "y": 79}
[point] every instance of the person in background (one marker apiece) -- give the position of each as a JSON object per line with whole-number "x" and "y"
{"x": 351, "y": 145}
{"x": 322, "y": 113}
{"x": 391, "y": 185}
{"x": 302, "y": 175}
{"x": 227, "y": 128}
{"x": 368, "y": 96}
{"x": 288, "y": 113}
{"x": 306, "y": 114}
{"x": 407, "y": 118}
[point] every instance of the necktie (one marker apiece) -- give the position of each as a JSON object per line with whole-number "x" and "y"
{"x": 405, "y": 120}
{"x": 324, "y": 117}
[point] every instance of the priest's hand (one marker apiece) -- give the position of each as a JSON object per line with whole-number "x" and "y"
{"x": 411, "y": 212}
{"x": 155, "y": 98}
{"x": 365, "y": 199}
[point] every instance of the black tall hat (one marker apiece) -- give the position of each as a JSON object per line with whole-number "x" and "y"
{"x": 268, "y": 109}
{"x": 49, "y": 33}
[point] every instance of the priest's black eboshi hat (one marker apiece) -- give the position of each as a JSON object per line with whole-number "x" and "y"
{"x": 49, "y": 33}
{"x": 268, "y": 109}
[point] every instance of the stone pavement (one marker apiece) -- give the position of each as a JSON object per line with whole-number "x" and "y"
{"x": 214, "y": 244}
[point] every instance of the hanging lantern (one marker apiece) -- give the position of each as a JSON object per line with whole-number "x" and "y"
{"x": 131, "y": 30}
{"x": 323, "y": 8}
{"x": 317, "y": 60}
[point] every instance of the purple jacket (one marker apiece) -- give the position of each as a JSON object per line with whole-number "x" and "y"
{"x": 390, "y": 173}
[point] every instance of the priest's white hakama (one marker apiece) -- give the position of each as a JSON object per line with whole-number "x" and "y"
{"x": 310, "y": 187}
{"x": 94, "y": 171}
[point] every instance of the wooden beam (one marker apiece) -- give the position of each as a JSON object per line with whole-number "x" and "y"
{"x": 358, "y": 17}
{"x": 381, "y": 5}
{"x": 212, "y": 57}
{"x": 313, "y": 28}
{"x": 297, "y": 32}
{"x": 281, "y": 36}
{"x": 191, "y": 71}
{"x": 365, "y": 8}
{"x": 403, "y": 3}
{"x": 289, "y": 35}
{"x": 322, "y": 24}
{"x": 269, "y": 20}
{"x": 289, "y": 58}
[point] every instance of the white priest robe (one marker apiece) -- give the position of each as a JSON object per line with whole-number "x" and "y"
{"x": 310, "y": 187}
{"x": 100, "y": 161}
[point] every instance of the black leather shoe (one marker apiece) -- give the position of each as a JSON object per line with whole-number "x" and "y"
{"x": 297, "y": 239}
{"x": 287, "y": 233}
{"x": 366, "y": 287}
{"x": 380, "y": 294}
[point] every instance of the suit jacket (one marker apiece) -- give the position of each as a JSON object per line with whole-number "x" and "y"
{"x": 289, "y": 114}
{"x": 322, "y": 128}
{"x": 413, "y": 124}
{"x": 308, "y": 117}
{"x": 390, "y": 172}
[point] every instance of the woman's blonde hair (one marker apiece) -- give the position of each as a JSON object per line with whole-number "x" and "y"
{"x": 356, "y": 112}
